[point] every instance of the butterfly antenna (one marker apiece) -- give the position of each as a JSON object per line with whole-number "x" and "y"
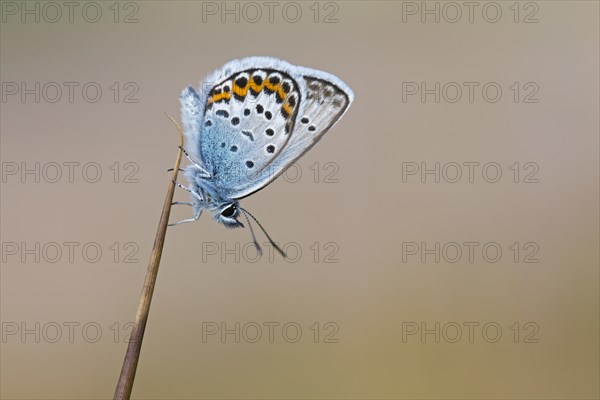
{"x": 258, "y": 248}
{"x": 263, "y": 229}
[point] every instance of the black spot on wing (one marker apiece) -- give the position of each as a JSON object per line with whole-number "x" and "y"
{"x": 248, "y": 134}
{"x": 258, "y": 80}
{"x": 292, "y": 101}
{"x": 242, "y": 81}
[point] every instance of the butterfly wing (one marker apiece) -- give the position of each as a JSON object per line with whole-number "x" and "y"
{"x": 323, "y": 105}
{"x": 256, "y": 117}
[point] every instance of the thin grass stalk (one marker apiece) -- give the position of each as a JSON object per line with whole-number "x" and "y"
{"x": 127, "y": 376}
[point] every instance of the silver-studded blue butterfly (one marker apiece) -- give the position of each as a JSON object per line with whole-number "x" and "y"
{"x": 249, "y": 121}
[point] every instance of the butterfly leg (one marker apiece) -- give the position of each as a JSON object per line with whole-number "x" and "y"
{"x": 205, "y": 174}
{"x": 187, "y": 203}
{"x": 195, "y": 194}
{"x": 196, "y": 218}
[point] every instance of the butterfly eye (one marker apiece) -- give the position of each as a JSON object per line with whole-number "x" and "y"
{"x": 228, "y": 211}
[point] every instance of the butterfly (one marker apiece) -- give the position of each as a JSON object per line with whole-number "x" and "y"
{"x": 248, "y": 122}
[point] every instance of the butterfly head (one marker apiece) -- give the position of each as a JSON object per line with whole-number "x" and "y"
{"x": 227, "y": 213}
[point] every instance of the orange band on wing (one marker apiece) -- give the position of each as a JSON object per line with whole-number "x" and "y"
{"x": 256, "y": 88}
{"x": 240, "y": 91}
{"x": 287, "y": 108}
{"x": 220, "y": 96}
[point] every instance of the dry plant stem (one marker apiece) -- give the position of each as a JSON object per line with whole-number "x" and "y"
{"x": 125, "y": 384}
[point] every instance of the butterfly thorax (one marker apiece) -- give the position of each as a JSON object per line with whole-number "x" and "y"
{"x": 206, "y": 196}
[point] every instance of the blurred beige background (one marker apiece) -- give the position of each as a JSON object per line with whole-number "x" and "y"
{"x": 368, "y": 309}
